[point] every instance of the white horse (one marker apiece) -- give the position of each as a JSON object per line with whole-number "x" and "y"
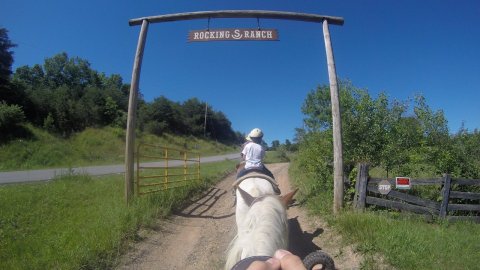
{"x": 262, "y": 224}
{"x": 254, "y": 186}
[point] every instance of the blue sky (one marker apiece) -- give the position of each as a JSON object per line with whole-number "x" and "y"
{"x": 400, "y": 47}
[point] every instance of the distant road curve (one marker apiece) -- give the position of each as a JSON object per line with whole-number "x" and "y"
{"x": 48, "y": 174}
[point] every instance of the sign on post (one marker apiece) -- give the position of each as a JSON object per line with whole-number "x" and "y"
{"x": 402, "y": 183}
{"x": 384, "y": 187}
{"x": 233, "y": 34}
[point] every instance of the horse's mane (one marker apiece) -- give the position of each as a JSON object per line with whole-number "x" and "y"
{"x": 262, "y": 232}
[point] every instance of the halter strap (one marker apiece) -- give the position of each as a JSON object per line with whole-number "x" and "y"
{"x": 245, "y": 263}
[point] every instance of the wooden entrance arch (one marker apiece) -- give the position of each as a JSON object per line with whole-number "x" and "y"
{"x": 332, "y": 76}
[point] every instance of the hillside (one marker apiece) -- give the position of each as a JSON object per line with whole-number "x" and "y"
{"x": 93, "y": 146}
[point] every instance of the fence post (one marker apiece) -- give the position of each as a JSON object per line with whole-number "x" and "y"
{"x": 447, "y": 183}
{"x": 198, "y": 171}
{"x": 361, "y": 186}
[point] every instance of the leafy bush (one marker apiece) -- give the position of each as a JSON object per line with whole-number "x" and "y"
{"x": 10, "y": 116}
{"x": 314, "y": 160}
{"x": 11, "y": 119}
{"x": 383, "y": 133}
{"x": 156, "y": 128}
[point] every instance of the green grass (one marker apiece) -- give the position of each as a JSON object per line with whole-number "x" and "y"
{"x": 411, "y": 243}
{"x": 89, "y": 147}
{"x": 276, "y": 157}
{"x": 405, "y": 241}
{"x": 81, "y": 222}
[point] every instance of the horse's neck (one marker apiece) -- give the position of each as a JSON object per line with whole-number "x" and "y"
{"x": 266, "y": 222}
{"x": 263, "y": 231}
{"x": 257, "y": 186}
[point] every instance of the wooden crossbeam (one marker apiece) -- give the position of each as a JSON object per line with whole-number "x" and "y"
{"x": 265, "y": 14}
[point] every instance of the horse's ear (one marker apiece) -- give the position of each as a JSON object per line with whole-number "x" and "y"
{"x": 288, "y": 198}
{"x": 246, "y": 197}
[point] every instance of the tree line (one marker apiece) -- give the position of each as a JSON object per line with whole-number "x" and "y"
{"x": 402, "y": 137}
{"x": 65, "y": 95}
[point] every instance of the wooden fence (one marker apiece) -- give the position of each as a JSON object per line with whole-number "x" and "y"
{"x": 454, "y": 205}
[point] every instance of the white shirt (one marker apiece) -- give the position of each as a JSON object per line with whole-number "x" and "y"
{"x": 253, "y": 154}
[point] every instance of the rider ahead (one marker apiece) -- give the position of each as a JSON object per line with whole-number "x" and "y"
{"x": 253, "y": 154}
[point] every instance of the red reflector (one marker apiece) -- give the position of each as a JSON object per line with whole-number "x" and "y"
{"x": 403, "y": 181}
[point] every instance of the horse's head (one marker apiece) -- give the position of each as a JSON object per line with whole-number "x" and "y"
{"x": 286, "y": 199}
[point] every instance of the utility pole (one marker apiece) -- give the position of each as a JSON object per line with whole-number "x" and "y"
{"x": 205, "y": 124}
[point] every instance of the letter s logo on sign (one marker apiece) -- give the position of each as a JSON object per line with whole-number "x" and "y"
{"x": 236, "y": 34}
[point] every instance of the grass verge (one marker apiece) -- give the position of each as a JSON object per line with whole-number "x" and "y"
{"x": 276, "y": 157}
{"x": 89, "y": 147}
{"x": 405, "y": 241}
{"x": 81, "y": 222}
{"x": 410, "y": 243}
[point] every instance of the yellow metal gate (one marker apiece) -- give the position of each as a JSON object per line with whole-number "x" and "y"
{"x": 160, "y": 168}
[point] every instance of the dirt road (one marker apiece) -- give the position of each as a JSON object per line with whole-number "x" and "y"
{"x": 197, "y": 236}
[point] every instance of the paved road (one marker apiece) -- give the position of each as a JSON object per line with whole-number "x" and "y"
{"x": 48, "y": 174}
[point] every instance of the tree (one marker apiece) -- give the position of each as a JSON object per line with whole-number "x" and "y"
{"x": 9, "y": 93}
{"x": 466, "y": 150}
{"x": 221, "y": 128}
{"x": 194, "y": 115}
{"x": 66, "y": 95}
{"x": 299, "y": 135}
{"x": 434, "y": 124}
{"x": 6, "y": 57}
{"x": 30, "y": 77}
{"x": 288, "y": 144}
{"x": 11, "y": 116}
{"x": 275, "y": 144}
{"x": 374, "y": 129}
{"x": 362, "y": 120}
{"x": 160, "y": 116}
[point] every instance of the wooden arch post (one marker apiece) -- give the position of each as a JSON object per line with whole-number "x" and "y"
{"x": 265, "y": 14}
{"x": 132, "y": 112}
{"x": 337, "y": 124}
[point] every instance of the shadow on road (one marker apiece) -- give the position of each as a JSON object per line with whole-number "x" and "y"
{"x": 301, "y": 242}
{"x": 200, "y": 208}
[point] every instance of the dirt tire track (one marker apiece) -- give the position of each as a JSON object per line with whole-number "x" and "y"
{"x": 197, "y": 236}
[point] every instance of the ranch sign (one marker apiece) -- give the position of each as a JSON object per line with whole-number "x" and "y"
{"x": 234, "y": 34}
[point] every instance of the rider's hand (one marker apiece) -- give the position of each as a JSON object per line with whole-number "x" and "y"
{"x": 282, "y": 260}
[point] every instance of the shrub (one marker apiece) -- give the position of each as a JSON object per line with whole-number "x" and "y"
{"x": 314, "y": 160}
{"x": 10, "y": 116}
{"x": 156, "y": 128}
